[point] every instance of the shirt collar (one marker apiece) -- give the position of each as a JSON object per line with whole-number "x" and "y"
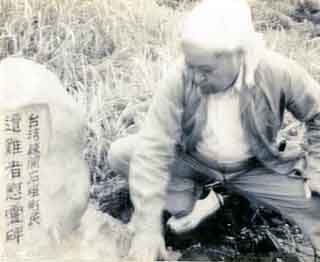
{"x": 239, "y": 82}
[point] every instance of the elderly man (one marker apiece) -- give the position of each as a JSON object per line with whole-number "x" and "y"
{"x": 219, "y": 112}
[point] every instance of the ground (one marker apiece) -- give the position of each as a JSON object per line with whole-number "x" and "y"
{"x": 111, "y": 55}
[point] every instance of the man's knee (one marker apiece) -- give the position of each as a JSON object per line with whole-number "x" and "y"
{"x": 119, "y": 155}
{"x": 182, "y": 195}
{"x": 180, "y": 204}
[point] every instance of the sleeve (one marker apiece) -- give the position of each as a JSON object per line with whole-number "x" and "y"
{"x": 303, "y": 101}
{"x": 155, "y": 152}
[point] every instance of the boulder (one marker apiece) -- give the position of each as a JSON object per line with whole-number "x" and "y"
{"x": 44, "y": 180}
{"x": 311, "y": 5}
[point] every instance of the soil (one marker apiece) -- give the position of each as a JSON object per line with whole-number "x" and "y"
{"x": 237, "y": 232}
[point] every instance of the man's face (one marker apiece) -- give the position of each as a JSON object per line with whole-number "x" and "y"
{"x": 213, "y": 72}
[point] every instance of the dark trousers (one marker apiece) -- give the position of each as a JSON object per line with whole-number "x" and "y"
{"x": 282, "y": 193}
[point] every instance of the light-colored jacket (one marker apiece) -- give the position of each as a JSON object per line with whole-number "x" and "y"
{"x": 177, "y": 116}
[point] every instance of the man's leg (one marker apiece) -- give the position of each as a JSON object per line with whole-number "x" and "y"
{"x": 285, "y": 195}
{"x": 201, "y": 210}
{"x": 120, "y": 152}
{"x": 182, "y": 190}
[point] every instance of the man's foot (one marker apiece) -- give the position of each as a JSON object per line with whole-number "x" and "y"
{"x": 201, "y": 210}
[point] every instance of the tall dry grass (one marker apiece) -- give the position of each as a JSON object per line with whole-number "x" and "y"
{"x": 106, "y": 53}
{"x": 109, "y": 54}
{"x": 112, "y": 53}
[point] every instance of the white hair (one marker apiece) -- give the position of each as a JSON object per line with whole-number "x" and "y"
{"x": 224, "y": 25}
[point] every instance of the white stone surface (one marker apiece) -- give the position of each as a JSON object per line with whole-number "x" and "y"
{"x": 64, "y": 175}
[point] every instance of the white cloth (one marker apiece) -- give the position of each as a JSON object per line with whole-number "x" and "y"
{"x": 223, "y": 138}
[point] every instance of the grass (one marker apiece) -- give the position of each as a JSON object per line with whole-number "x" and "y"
{"x": 107, "y": 53}
{"x": 112, "y": 54}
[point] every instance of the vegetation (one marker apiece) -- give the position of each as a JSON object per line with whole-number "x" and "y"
{"x": 111, "y": 55}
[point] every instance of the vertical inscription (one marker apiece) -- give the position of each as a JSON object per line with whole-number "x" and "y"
{"x": 24, "y": 142}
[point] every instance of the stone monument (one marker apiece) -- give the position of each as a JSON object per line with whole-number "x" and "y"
{"x": 44, "y": 183}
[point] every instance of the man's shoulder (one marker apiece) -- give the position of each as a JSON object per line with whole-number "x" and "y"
{"x": 279, "y": 65}
{"x": 176, "y": 67}
{"x": 275, "y": 61}
{"x": 171, "y": 84}
{"x": 176, "y": 73}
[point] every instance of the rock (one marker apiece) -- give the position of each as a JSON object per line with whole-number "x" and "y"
{"x": 309, "y": 10}
{"x": 285, "y": 21}
{"x": 41, "y": 155}
{"x": 270, "y": 18}
{"x": 311, "y": 5}
{"x": 315, "y": 17}
{"x": 102, "y": 236}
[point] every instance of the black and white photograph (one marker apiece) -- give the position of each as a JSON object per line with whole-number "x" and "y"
{"x": 160, "y": 130}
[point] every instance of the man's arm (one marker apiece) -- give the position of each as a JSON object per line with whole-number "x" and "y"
{"x": 303, "y": 101}
{"x": 149, "y": 167}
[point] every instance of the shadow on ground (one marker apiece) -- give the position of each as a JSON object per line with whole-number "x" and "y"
{"x": 237, "y": 232}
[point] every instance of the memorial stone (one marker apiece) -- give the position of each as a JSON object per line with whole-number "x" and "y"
{"x": 44, "y": 183}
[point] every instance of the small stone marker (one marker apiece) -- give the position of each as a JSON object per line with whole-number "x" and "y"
{"x": 44, "y": 181}
{"x": 311, "y": 5}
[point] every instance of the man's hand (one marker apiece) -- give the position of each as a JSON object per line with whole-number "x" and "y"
{"x": 147, "y": 247}
{"x": 313, "y": 185}
{"x": 133, "y": 115}
{"x": 202, "y": 209}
